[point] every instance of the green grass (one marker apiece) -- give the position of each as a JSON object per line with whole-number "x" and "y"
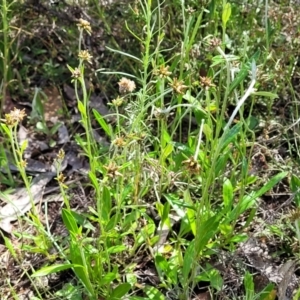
{"x": 180, "y": 155}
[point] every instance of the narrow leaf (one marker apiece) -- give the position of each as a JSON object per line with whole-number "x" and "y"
{"x": 120, "y": 291}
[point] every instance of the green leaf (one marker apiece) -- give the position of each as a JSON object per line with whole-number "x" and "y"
{"x": 188, "y": 260}
{"x": 191, "y": 215}
{"x": 216, "y": 280}
{"x": 53, "y": 269}
{"x": 54, "y": 129}
{"x": 164, "y": 267}
{"x": 270, "y": 184}
{"x": 165, "y": 220}
{"x": 81, "y": 108}
{"x": 206, "y": 230}
{"x": 227, "y": 195}
{"x": 270, "y": 95}
{"x": 230, "y": 135}
{"x": 107, "y": 129}
{"x": 153, "y": 293}
{"x": 161, "y": 265}
{"x": 269, "y": 293}
{"x": 120, "y": 291}
{"x": 108, "y": 278}
{"x": 124, "y": 54}
{"x": 24, "y": 145}
{"x": 190, "y": 212}
{"x": 295, "y": 188}
{"x": 167, "y": 151}
{"x": 69, "y": 221}
{"x": 6, "y": 129}
{"x": 239, "y": 78}
{"x": 116, "y": 249}
{"x": 41, "y": 127}
{"x": 239, "y": 238}
{"x": 106, "y": 204}
{"x": 226, "y": 13}
{"x": 249, "y": 285}
{"x": 166, "y": 137}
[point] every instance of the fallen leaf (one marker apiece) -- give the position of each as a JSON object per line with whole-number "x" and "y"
{"x": 19, "y": 202}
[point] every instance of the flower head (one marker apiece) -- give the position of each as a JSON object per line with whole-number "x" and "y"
{"x": 85, "y": 25}
{"x": 85, "y": 55}
{"x": 178, "y": 86}
{"x": 206, "y": 82}
{"x": 163, "y": 72}
{"x": 117, "y": 101}
{"x": 15, "y": 116}
{"x": 112, "y": 170}
{"x": 76, "y": 73}
{"x": 192, "y": 165}
{"x": 215, "y": 42}
{"x": 119, "y": 142}
{"x": 61, "y": 154}
{"x": 126, "y": 85}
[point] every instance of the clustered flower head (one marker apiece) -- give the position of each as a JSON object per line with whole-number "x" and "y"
{"x": 126, "y": 85}
{"x": 23, "y": 163}
{"x": 119, "y": 142}
{"x": 161, "y": 113}
{"x": 76, "y": 73}
{"x": 192, "y": 165}
{"x": 117, "y": 101}
{"x": 85, "y": 56}
{"x": 162, "y": 72}
{"x": 178, "y": 86}
{"x": 85, "y": 25}
{"x": 15, "y": 116}
{"x": 190, "y": 10}
{"x": 112, "y": 170}
{"x": 60, "y": 154}
{"x": 215, "y": 42}
{"x": 61, "y": 178}
{"x": 206, "y": 82}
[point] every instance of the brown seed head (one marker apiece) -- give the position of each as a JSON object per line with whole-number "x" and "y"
{"x": 192, "y": 165}
{"x": 206, "y": 82}
{"x": 113, "y": 170}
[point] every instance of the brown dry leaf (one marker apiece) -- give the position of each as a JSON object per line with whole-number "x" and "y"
{"x": 286, "y": 271}
{"x": 53, "y": 105}
{"x": 19, "y": 202}
{"x": 203, "y": 296}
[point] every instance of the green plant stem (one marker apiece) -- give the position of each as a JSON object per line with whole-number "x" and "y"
{"x": 5, "y": 57}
